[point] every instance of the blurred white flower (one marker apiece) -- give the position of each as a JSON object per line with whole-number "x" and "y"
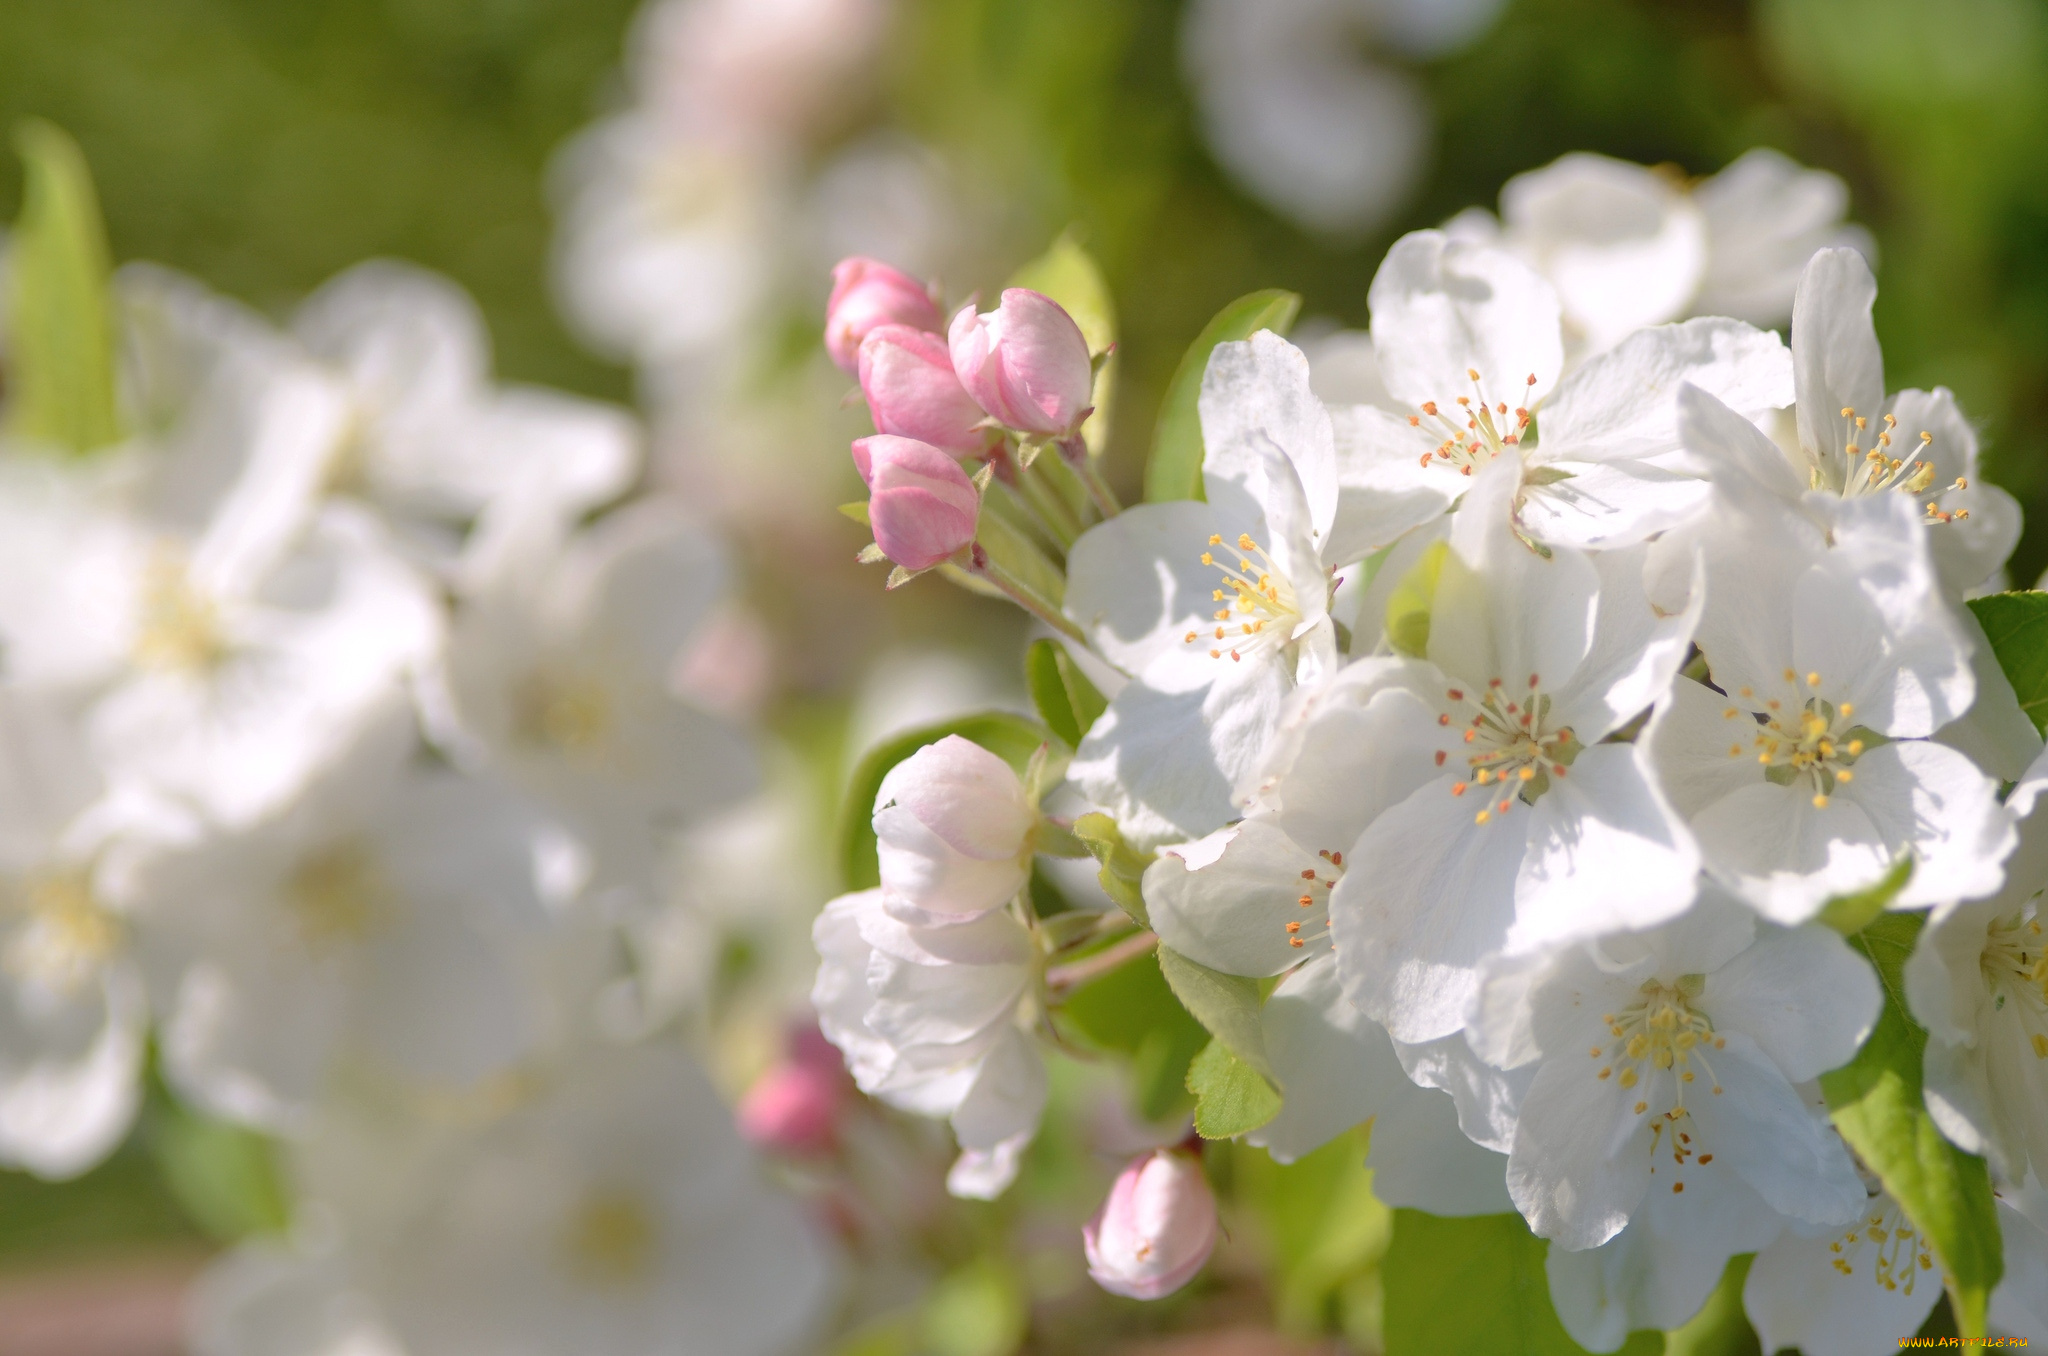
{"x": 614, "y": 1211}
{"x": 432, "y": 442}
{"x": 73, "y": 1011}
{"x": 560, "y": 677}
{"x": 1628, "y": 247}
{"x": 385, "y": 919}
{"x": 1297, "y": 112}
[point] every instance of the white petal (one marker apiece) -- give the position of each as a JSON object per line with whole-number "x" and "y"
{"x": 1796, "y": 1298}
{"x": 1488, "y": 1101}
{"x": 1420, "y": 1161}
{"x": 1766, "y": 215}
{"x": 1948, "y": 812}
{"x": 1427, "y": 895}
{"x": 1623, "y": 405}
{"x": 1232, "y": 913}
{"x": 1994, "y": 733}
{"x": 1625, "y": 248}
{"x": 1164, "y": 756}
{"x": 70, "y": 1071}
{"x": 1579, "y": 1166}
{"x": 1699, "y": 751}
{"x": 1441, "y": 308}
{"x": 1008, "y": 1095}
{"x": 1255, "y": 396}
{"x": 1136, "y": 583}
{"x": 1834, "y": 348}
{"x": 1753, "y": 1119}
{"x": 1612, "y": 505}
{"x": 1802, "y": 995}
{"x": 1383, "y": 489}
{"x": 1658, "y": 1271}
{"x": 1730, "y": 446}
{"x": 2019, "y": 1306}
{"x": 1788, "y": 858}
{"x": 1604, "y": 853}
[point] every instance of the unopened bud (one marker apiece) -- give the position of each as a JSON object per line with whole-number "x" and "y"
{"x": 1025, "y": 363}
{"x": 793, "y": 1109}
{"x": 1156, "y": 1229}
{"x": 867, "y": 294}
{"x": 907, "y": 376}
{"x": 921, "y": 505}
{"x": 953, "y": 833}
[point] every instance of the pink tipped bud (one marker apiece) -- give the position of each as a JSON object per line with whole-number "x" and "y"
{"x": 1025, "y": 363}
{"x": 793, "y": 1109}
{"x": 953, "y": 832}
{"x": 1156, "y": 1229}
{"x": 921, "y": 505}
{"x": 866, "y": 295}
{"x": 907, "y": 376}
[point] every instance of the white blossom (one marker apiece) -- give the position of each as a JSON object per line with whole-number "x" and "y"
{"x": 1217, "y": 608}
{"x": 937, "y": 1021}
{"x": 1468, "y": 342}
{"x": 1670, "y": 1062}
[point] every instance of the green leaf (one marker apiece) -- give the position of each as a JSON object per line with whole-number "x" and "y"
{"x": 1066, "y": 700}
{"x": 1131, "y": 1012}
{"x": 1720, "y": 1328}
{"x": 1474, "y": 1285}
{"x": 1850, "y": 914}
{"x": 225, "y": 1176}
{"x": 59, "y": 309}
{"x": 1174, "y": 470}
{"x": 1327, "y": 1230}
{"x": 1877, "y": 1105}
{"x": 1010, "y": 737}
{"x": 857, "y": 510}
{"x": 1123, "y": 866}
{"x": 1231, "y": 1097}
{"x": 1070, "y": 276}
{"x": 2016, "y": 624}
{"x": 1408, "y": 606}
{"x": 1228, "y": 1005}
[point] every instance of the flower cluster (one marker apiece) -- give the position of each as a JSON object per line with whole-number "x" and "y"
{"x": 343, "y": 746}
{"x": 1552, "y": 759}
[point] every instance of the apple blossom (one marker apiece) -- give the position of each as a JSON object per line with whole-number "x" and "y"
{"x": 935, "y": 1020}
{"x": 907, "y": 377}
{"x": 1468, "y": 343}
{"x": 1978, "y": 982}
{"x": 1157, "y": 1228}
{"x": 1495, "y": 815}
{"x": 921, "y": 505}
{"x": 955, "y": 831}
{"x": 1218, "y": 608}
{"x": 1699, "y": 1033}
{"x": 559, "y": 678}
{"x": 1805, "y": 770}
{"x": 868, "y": 295}
{"x": 1025, "y": 363}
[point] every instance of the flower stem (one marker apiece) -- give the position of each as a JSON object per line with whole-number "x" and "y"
{"x": 1061, "y": 978}
{"x": 1074, "y": 452}
{"x": 980, "y": 563}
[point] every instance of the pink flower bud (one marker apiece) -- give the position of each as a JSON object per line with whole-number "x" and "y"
{"x": 1026, "y": 363}
{"x": 953, "y": 832}
{"x": 1156, "y": 1229}
{"x": 867, "y": 294}
{"x": 793, "y": 1109}
{"x": 921, "y": 505}
{"x": 907, "y": 376}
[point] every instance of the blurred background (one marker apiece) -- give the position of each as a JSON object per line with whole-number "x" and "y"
{"x": 646, "y": 205}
